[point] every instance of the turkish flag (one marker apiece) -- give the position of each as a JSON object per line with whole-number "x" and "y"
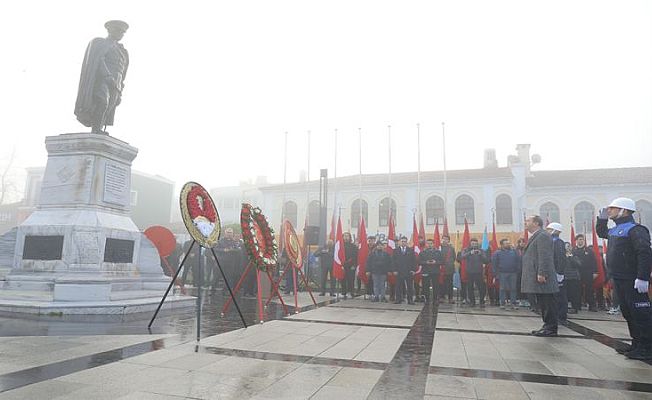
{"x": 572, "y": 235}
{"x": 417, "y": 248}
{"x": 598, "y": 282}
{"x": 422, "y": 228}
{"x": 363, "y": 251}
{"x": 338, "y": 253}
{"x": 391, "y": 245}
{"x": 493, "y": 245}
{"x": 445, "y": 231}
{"x": 466, "y": 241}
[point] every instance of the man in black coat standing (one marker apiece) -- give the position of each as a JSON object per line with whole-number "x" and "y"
{"x": 405, "y": 264}
{"x": 325, "y": 255}
{"x": 588, "y": 268}
{"x": 430, "y": 258}
{"x": 349, "y": 264}
{"x": 475, "y": 258}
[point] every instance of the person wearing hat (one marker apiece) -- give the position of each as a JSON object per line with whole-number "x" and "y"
{"x": 102, "y": 78}
{"x": 629, "y": 258}
{"x": 559, "y": 259}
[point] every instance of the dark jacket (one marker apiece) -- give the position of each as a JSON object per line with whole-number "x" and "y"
{"x": 506, "y": 261}
{"x": 629, "y": 255}
{"x": 350, "y": 256}
{"x": 586, "y": 264}
{"x": 379, "y": 262}
{"x": 448, "y": 259}
{"x": 475, "y": 260}
{"x": 559, "y": 254}
{"x": 572, "y": 271}
{"x": 538, "y": 260}
{"x": 325, "y": 255}
{"x": 430, "y": 255}
{"x": 404, "y": 263}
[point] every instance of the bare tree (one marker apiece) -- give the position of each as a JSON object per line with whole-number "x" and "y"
{"x": 7, "y": 185}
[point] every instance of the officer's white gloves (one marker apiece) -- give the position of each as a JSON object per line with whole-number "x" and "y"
{"x": 602, "y": 214}
{"x": 641, "y": 285}
{"x": 560, "y": 278}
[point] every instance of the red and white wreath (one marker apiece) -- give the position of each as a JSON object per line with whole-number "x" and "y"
{"x": 258, "y": 237}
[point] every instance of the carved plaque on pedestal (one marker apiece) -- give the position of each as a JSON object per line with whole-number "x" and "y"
{"x": 43, "y": 248}
{"x": 116, "y": 184}
{"x": 119, "y": 251}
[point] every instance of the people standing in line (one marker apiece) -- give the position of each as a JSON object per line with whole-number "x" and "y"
{"x": 430, "y": 259}
{"x": 379, "y": 264}
{"x": 405, "y": 263}
{"x": 539, "y": 275}
{"x": 464, "y": 285}
{"x": 325, "y": 255}
{"x": 588, "y": 270}
{"x": 349, "y": 265}
{"x": 419, "y": 288}
{"x": 506, "y": 264}
{"x": 559, "y": 258}
{"x": 629, "y": 258}
{"x": 448, "y": 267}
{"x": 525, "y": 300}
{"x": 369, "y": 286}
{"x": 572, "y": 280}
{"x": 475, "y": 258}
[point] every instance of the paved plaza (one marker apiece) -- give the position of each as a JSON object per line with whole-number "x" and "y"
{"x": 349, "y": 349}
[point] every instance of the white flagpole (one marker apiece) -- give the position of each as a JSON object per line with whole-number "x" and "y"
{"x": 335, "y": 206}
{"x": 360, "y": 173}
{"x": 285, "y": 173}
{"x": 389, "y": 148}
{"x": 419, "y": 169}
{"x": 443, "y": 138}
{"x": 308, "y": 184}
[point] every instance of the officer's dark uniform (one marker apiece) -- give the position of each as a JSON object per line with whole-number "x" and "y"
{"x": 559, "y": 257}
{"x": 629, "y": 257}
{"x": 430, "y": 274}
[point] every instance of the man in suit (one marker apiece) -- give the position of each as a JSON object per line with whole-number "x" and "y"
{"x": 539, "y": 275}
{"x": 405, "y": 263}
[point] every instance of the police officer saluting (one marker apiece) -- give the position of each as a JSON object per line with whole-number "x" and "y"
{"x": 629, "y": 258}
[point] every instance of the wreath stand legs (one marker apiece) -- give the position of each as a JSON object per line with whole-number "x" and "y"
{"x": 275, "y": 290}
{"x": 305, "y": 283}
{"x": 171, "y": 271}
{"x": 176, "y": 275}
{"x": 226, "y": 306}
{"x": 226, "y": 282}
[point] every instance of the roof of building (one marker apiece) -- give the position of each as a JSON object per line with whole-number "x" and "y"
{"x": 591, "y": 177}
{"x": 407, "y": 178}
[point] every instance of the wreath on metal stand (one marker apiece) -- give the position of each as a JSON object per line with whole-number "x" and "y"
{"x": 258, "y": 237}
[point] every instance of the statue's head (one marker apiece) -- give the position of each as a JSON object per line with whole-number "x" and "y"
{"x": 116, "y": 28}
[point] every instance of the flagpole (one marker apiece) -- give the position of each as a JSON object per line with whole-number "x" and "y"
{"x": 360, "y": 173}
{"x": 418, "y": 169}
{"x": 308, "y": 185}
{"x": 335, "y": 178}
{"x": 443, "y": 138}
{"x": 285, "y": 174}
{"x": 389, "y": 148}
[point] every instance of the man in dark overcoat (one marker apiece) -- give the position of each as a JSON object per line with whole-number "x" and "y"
{"x": 539, "y": 275}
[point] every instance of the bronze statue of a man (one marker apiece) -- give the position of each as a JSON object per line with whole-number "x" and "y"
{"x": 102, "y": 78}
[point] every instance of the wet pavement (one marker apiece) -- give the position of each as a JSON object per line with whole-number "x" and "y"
{"x": 353, "y": 349}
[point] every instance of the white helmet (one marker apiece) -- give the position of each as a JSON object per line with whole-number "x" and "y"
{"x": 555, "y": 226}
{"x": 624, "y": 203}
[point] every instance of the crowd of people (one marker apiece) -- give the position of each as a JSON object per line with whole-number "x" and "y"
{"x": 544, "y": 273}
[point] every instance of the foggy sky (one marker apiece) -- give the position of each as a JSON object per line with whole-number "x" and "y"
{"x": 213, "y": 86}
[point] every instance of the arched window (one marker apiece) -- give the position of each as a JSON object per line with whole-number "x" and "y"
{"x": 584, "y": 214}
{"x": 550, "y": 211}
{"x": 383, "y": 211}
{"x": 313, "y": 213}
{"x": 355, "y": 212}
{"x": 290, "y": 212}
{"x": 434, "y": 210}
{"x": 464, "y": 206}
{"x": 504, "y": 210}
{"x": 643, "y": 212}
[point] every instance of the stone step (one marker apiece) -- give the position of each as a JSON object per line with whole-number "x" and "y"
{"x": 7, "y": 248}
{"x": 137, "y": 294}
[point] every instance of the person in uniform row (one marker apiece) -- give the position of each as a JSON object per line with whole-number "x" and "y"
{"x": 475, "y": 258}
{"x": 629, "y": 258}
{"x": 430, "y": 259}
{"x": 379, "y": 264}
{"x": 405, "y": 263}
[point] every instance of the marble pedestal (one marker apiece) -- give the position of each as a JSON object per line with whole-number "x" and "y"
{"x": 80, "y": 245}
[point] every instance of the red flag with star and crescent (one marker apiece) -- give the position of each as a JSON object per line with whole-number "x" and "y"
{"x": 338, "y": 253}
{"x": 363, "y": 252}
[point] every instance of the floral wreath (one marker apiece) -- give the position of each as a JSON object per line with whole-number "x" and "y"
{"x": 292, "y": 246}
{"x": 258, "y": 237}
{"x": 199, "y": 214}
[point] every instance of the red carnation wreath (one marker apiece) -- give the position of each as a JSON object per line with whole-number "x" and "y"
{"x": 205, "y": 209}
{"x": 199, "y": 214}
{"x": 258, "y": 237}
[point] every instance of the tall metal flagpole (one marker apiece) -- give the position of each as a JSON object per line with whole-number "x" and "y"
{"x": 308, "y": 185}
{"x": 419, "y": 170}
{"x": 285, "y": 174}
{"x": 443, "y": 138}
{"x": 335, "y": 206}
{"x": 389, "y": 148}
{"x": 360, "y": 173}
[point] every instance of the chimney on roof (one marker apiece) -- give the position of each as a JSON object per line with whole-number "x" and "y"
{"x": 490, "y": 160}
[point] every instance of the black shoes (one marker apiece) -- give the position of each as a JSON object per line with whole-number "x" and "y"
{"x": 640, "y": 353}
{"x": 545, "y": 333}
